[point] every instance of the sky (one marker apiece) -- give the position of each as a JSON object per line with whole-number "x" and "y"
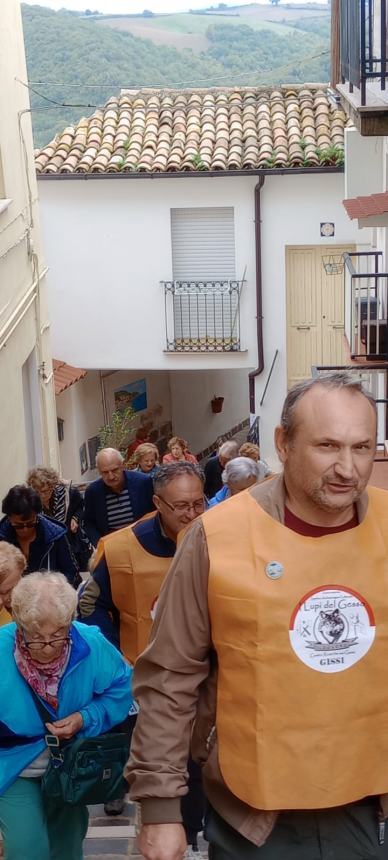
{"x": 128, "y": 6}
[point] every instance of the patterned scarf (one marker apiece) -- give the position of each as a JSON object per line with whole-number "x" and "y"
{"x": 44, "y": 678}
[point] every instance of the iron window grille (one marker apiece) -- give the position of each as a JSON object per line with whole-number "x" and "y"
{"x": 202, "y": 316}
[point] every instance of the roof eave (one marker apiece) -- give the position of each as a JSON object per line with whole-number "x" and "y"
{"x": 195, "y": 174}
{"x": 373, "y": 220}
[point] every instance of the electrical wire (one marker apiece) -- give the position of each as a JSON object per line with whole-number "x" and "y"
{"x": 53, "y": 101}
{"x": 163, "y": 86}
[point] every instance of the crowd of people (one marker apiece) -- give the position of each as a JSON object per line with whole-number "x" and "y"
{"x": 232, "y": 627}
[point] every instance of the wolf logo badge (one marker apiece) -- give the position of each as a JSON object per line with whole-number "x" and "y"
{"x": 332, "y": 628}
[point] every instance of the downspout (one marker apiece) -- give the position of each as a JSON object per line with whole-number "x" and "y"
{"x": 103, "y": 398}
{"x": 259, "y": 299}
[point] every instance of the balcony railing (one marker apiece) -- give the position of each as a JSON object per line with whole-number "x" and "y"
{"x": 202, "y": 316}
{"x": 366, "y": 294}
{"x": 374, "y": 379}
{"x": 363, "y": 44}
{"x": 254, "y": 432}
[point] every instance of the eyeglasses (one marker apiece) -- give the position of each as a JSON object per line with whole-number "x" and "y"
{"x": 29, "y": 524}
{"x": 185, "y": 507}
{"x": 34, "y": 645}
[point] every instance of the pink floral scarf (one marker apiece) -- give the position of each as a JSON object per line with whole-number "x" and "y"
{"x": 44, "y": 678}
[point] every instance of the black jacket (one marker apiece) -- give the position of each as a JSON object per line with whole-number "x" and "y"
{"x": 49, "y": 551}
{"x": 213, "y": 477}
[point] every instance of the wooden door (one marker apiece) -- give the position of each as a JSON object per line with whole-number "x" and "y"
{"x": 315, "y": 311}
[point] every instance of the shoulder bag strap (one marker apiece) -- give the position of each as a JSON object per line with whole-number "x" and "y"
{"x": 52, "y": 742}
{"x": 43, "y": 712}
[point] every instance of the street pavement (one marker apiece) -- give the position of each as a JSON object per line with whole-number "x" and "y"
{"x": 113, "y": 837}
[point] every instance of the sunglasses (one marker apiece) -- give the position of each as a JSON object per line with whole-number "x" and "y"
{"x": 29, "y": 524}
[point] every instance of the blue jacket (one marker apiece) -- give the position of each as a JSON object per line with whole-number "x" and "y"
{"x": 220, "y": 496}
{"x": 96, "y": 682}
{"x": 140, "y": 488}
{"x": 49, "y": 551}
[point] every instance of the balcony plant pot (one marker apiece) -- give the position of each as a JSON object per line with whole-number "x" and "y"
{"x": 217, "y": 404}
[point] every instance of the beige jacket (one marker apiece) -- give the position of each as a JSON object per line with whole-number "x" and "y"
{"x": 175, "y": 685}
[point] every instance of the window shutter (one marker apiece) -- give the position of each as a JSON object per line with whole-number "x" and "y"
{"x": 203, "y": 246}
{"x": 203, "y": 253}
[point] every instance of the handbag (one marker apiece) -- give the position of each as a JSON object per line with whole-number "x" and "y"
{"x": 84, "y": 771}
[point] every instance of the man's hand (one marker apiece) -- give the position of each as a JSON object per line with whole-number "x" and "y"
{"x": 66, "y": 728}
{"x": 162, "y": 841}
{"x": 73, "y": 525}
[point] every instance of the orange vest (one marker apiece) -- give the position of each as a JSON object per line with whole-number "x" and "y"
{"x": 5, "y": 617}
{"x": 300, "y": 627}
{"x": 136, "y": 578}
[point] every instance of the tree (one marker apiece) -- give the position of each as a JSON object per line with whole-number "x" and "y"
{"x": 117, "y": 433}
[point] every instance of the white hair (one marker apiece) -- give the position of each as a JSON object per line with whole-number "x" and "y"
{"x": 228, "y": 449}
{"x": 241, "y": 469}
{"x": 108, "y": 452}
{"x": 43, "y": 596}
{"x": 11, "y": 559}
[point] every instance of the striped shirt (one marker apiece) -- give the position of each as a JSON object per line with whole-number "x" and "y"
{"x": 119, "y": 510}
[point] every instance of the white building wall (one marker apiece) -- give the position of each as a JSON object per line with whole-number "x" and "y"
{"x": 158, "y": 393}
{"x": 364, "y": 164}
{"x": 80, "y": 407}
{"x": 109, "y": 244}
{"x": 177, "y": 402}
{"x": 27, "y": 416}
{"x": 191, "y": 393}
{"x": 293, "y": 208}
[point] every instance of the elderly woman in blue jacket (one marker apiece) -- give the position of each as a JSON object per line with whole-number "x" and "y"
{"x": 82, "y": 680}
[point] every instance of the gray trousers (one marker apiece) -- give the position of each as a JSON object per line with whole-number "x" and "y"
{"x": 342, "y": 833}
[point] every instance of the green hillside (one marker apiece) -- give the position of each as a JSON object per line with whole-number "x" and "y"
{"x": 64, "y": 50}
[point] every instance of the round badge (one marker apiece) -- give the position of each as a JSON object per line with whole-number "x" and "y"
{"x": 274, "y": 569}
{"x": 332, "y": 628}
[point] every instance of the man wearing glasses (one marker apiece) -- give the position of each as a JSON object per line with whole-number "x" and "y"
{"x": 132, "y": 563}
{"x": 131, "y": 566}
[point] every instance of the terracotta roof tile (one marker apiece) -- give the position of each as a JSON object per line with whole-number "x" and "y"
{"x": 364, "y": 207}
{"x": 65, "y": 375}
{"x": 188, "y": 130}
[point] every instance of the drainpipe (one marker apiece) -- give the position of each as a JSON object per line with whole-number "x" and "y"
{"x": 103, "y": 398}
{"x": 259, "y": 298}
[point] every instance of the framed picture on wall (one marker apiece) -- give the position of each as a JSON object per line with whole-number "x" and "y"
{"x": 83, "y": 458}
{"x": 93, "y": 446}
{"x": 134, "y": 394}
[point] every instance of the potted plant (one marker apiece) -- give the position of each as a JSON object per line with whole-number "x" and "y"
{"x": 217, "y": 403}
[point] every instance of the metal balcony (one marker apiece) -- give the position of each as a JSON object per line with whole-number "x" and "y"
{"x": 374, "y": 379}
{"x": 366, "y": 294}
{"x": 202, "y": 316}
{"x": 363, "y": 49}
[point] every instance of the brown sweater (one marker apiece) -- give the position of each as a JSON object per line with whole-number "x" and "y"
{"x": 175, "y": 685}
